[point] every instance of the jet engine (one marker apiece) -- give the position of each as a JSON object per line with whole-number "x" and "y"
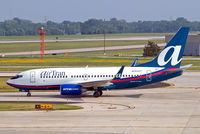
{"x": 70, "y": 89}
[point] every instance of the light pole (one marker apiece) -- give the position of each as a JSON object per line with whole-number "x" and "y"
{"x": 104, "y": 31}
{"x": 41, "y": 32}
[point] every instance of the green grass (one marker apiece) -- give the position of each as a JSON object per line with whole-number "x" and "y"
{"x": 81, "y": 36}
{"x": 31, "y": 107}
{"x": 193, "y": 62}
{"x": 11, "y": 69}
{"x": 23, "y": 47}
{"x": 79, "y": 60}
{"x": 90, "y": 54}
{"x": 5, "y": 88}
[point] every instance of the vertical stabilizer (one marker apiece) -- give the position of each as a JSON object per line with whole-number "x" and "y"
{"x": 171, "y": 55}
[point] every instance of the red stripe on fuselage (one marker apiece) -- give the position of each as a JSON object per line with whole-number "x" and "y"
{"x": 18, "y": 86}
{"x": 141, "y": 77}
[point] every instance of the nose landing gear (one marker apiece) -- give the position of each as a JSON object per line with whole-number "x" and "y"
{"x": 28, "y": 94}
{"x": 26, "y": 90}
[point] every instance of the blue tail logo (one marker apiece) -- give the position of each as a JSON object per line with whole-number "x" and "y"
{"x": 171, "y": 55}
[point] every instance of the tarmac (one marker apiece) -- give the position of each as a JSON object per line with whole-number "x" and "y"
{"x": 171, "y": 110}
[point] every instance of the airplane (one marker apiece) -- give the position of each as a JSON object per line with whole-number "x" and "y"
{"x": 75, "y": 81}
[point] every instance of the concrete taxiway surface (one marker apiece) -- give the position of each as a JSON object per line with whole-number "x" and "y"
{"x": 171, "y": 110}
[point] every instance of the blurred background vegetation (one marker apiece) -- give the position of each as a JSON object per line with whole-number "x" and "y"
{"x": 21, "y": 27}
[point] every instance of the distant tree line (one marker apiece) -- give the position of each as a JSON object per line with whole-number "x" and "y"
{"x": 20, "y": 27}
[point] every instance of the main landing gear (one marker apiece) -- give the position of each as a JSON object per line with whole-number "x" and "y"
{"x": 97, "y": 93}
{"x": 28, "y": 94}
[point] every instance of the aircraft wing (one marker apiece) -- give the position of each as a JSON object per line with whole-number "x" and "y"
{"x": 103, "y": 83}
{"x": 96, "y": 83}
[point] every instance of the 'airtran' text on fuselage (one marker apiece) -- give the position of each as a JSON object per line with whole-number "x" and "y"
{"x": 52, "y": 73}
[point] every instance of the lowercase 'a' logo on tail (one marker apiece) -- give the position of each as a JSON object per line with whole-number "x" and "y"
{"x": 171, "y": 55}
{"x": 173, "y": 58}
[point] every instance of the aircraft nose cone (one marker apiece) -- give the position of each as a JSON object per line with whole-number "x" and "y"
{"x": 9, "y": 82}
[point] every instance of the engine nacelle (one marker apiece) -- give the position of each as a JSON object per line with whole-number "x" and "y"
{"x": 70, "y": 89}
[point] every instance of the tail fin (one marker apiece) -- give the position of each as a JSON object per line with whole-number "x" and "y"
{"x": 171, "y": 55}
{"x": 134, "y": 63}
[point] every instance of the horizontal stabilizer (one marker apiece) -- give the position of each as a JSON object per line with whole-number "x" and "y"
{"x": 186, "y": 66}
{"x": 178, "y": 69}
{"x": 173, "y": 71}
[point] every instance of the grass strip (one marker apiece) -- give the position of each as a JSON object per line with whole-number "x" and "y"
{"x": 31, "y": 107}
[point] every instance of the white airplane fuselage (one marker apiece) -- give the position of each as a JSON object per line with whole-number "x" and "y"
{"x": 32, "y": 79}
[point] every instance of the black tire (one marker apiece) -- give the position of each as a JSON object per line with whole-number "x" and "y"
{"x": 100, "y": 91}
{"x": 96, "y": 94}
{"x": 28, "y": 94}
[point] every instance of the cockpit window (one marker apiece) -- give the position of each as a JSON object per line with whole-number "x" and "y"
{"x": 17, "y": 76}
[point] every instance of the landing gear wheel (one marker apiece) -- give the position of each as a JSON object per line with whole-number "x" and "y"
{"x": 100, "y": 92}
{"x": 97, "y": 93}
{"x": 28, "y": 94}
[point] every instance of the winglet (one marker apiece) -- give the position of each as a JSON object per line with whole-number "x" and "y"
{"x": 118, "y": 75}
{"x": 134, "y": 63}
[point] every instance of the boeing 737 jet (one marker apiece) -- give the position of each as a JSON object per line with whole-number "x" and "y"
{"x": 75, "y": 81}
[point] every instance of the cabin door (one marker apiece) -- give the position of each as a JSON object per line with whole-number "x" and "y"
{"x": 32, "y": 77}
{"x": 149, "y": 77}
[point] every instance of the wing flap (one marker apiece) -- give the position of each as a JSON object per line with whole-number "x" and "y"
{"x": 96, "y": 83}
